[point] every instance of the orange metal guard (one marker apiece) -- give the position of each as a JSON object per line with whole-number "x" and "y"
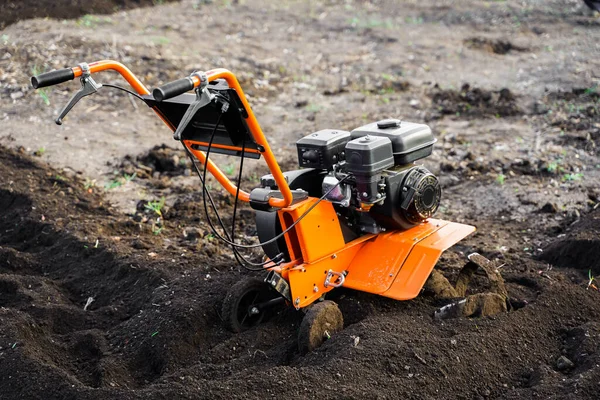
{"x": 393, "y": 264}
{"x": 253, "y": 126}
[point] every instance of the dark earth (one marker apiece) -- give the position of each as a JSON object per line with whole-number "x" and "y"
{"x": 111, "y": 281}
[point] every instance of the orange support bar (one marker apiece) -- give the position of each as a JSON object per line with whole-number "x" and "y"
{"x": 253, "y": 125}
{"x": 120, "y": 68}
{"x": 217, "y": 173}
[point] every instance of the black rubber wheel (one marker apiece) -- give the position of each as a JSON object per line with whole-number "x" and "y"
{"x": 320, "y": 322}
{"x": 241, "y": 297}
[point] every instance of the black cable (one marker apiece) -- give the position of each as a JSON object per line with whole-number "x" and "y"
{"x": 239, "y": 258}
{"x": 125, "y": 90}
{"x": 205, "y": 192}
{"x": 237, "y": 189}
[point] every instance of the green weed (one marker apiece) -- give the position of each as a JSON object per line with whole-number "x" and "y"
{"x": 115, "y": 183}
{"x": 156, "y": 206}
{"x": 572, "y": 177}
{"x": 229, "y": 169}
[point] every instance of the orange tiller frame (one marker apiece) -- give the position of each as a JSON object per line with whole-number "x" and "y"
{"x": 395, "y": 264}
{"x": 253, "y": 126}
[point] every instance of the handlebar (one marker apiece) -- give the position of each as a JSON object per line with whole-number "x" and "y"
{"x": 172, "y": 89}
{"x": 52, "y": 78}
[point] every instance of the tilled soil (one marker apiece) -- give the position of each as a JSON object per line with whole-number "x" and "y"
{"x": 103, "y": 297}
{"x": 153, "y": 326}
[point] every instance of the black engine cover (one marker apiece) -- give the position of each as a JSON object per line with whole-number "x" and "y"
{"x": 413, "y": 194}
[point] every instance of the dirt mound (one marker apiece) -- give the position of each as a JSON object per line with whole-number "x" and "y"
{"x": 160, "y": 161}
{"x": 473, "y": 102}
{"x": 580, "y": 249}
{"x": 496, "y": 46}
{"x": 577, "y": 114}
{"x": 13, "y": 11}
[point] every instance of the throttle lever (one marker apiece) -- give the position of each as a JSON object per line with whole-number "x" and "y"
{"x": 203, "y": 98}
{"x": 88, "y": 86}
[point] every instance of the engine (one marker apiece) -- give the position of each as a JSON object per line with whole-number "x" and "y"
{"x": 371, "y": 176}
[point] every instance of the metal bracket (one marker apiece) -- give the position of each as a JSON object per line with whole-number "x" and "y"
{"x": 203, "y": 98}
{"x": 88, "y": 86}
{"x": 277, "y": 282}
{"x": 340, "y": 278}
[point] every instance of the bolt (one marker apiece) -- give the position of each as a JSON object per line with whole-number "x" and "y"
{"x": 333, "y": 256}
{"x": 316, "y": 289}
{"x": 273, "y": 283}
{"x": 365, "y": 194}
{"x": 254, "y": 311}
{"x": 297, "y": 302}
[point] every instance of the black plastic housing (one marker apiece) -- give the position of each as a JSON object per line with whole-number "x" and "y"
{"x": 410, "y": 141}
{"x": 366, "y": 158}
{"x": 231, "y": 134}
{"x": 369, "y": 155}
{"x": 322, "y": 149}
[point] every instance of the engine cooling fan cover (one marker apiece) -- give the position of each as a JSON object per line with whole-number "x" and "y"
{"x": 421, "y": 195}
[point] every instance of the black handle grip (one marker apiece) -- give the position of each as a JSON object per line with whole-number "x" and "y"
{"x": 173, "y": 89}
{"x": 52, "y": 78}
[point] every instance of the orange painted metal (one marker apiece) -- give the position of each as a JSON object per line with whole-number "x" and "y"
{"x": 393, "y": 264}
{"x": 319, "y": 233}
{"x": 374, "y": 269}
{"x": 306, "y": 277}
{"x": 104, "y": 65}
{"x": 423, "y": 257}
{"x": 224, "y": 146}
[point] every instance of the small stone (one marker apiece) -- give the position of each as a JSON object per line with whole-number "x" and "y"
{"x": 573, "y": 214}
{"x": 414, "y": 103}
{"x": 140, "y": 245}
{"x": 563, "y": 363}
{"x": 192, "y": 233}
{"x": 550, "y": 208}
{"x": 16, "y": 95}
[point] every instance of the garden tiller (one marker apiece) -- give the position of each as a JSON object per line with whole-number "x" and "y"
{"x": 356, "y": 214}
